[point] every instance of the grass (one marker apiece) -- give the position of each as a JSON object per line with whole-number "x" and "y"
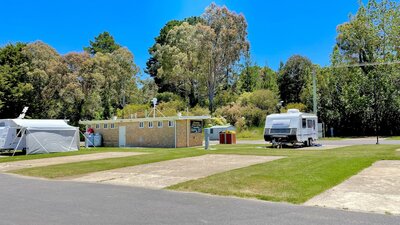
{"x": 332, "y": 138}
{"x": 78, "y": 168}
{"x": 253, "y": 133}
{"x": 393, "y": 138}
{"x": 296, "y": 178}
{"x": 18, "y": 156}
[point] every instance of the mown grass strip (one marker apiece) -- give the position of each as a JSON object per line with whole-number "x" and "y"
{"x": 79, "y": 168}
{"x": 294, "y": 179}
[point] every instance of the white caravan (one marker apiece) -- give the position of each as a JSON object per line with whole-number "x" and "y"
{"x": 291, "y": 128}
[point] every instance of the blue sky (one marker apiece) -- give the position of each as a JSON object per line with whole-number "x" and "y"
{"x": 276, "y": 29}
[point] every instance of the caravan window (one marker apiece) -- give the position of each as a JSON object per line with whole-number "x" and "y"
{"x": 2, "y": 124}
{"x": 309, "y": 124}
{"x": 304, "y": 121}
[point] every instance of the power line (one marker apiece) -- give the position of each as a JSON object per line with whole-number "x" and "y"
{"x": 370, "y": 64}
{"x": 366, "y": 64}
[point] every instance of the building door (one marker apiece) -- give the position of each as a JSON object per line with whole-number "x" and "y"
{"x": 122, "y": 136}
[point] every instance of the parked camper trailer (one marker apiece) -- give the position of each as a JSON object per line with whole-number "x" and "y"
{"x": 38, "y": 136}
{"x": 291, "y": 128}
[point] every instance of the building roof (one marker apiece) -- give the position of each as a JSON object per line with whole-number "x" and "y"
{"x": 171, "y": 118}
{"x": 221, "y": 126}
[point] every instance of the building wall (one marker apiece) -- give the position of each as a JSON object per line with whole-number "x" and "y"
{"x": 185, "y": 138}
{"x": 151, "y": 137}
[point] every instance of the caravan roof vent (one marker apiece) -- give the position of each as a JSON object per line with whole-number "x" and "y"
{"x": 293, "y": 111}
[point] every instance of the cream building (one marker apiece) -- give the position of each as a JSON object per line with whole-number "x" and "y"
{"x": 167, "y": 132}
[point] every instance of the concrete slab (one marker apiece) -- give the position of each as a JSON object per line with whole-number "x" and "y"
{"x": 167, "y": 173}
{"x": 7, "y": 166}
{"x": 375, "y": 189}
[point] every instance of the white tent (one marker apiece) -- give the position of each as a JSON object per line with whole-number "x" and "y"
{"x": 38, "y": 136}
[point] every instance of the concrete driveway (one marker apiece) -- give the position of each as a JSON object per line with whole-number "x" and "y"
{"x": 167, "y": 173}
{"x": 6, "y": 166}
{"x": 375, "y": 189}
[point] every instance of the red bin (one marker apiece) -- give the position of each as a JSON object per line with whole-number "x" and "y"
{"x": 222, "y": 138}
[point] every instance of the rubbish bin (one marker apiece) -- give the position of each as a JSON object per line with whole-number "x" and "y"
{"x": 227, "y": 137}
{"x": 222, "y": 137}
{"x": 231, "y": 138}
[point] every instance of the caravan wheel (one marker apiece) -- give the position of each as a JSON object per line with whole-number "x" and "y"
{"x": 305, "y": 143}
{"x": 310, "y": 142}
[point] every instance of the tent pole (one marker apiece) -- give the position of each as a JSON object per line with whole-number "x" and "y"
{"x": 87, "y": 139}
{"x": 69, "y": 148}
{"x": 38, "y": 141}
{"x": 15, "y": 149}
{"x": 16, "y": 135}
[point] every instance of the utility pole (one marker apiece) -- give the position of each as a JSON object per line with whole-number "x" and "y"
{"x": 314, "y": 92}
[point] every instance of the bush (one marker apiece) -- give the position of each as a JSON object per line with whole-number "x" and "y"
{"x": 253, "y": 116}
{"x": 171, "y": 108}
{"x": 132, "y": 109}
{"x": 225, "y": 97}
{"x": 265, "y": 100}
{"x": 167, "y": 97}
{"x": 230, "y": 112}
{"x": 215, "y": 121}
{"x": 240, "y": 124}
{"x": 199, "y": 111}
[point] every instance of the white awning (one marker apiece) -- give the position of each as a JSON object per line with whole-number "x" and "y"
{"x": 28, "y": 123}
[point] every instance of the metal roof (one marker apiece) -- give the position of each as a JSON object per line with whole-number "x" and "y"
{"x": 171, "y": 118}
{"x": 221, "y": 126}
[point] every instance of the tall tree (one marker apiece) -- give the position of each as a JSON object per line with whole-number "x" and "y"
{"x": 45, "y": 74}
{"x": 15, "y": 87}
{"x": 372, "y": 37}
{"x": 103, "y": 43}
{"x": 293, "y": 78}
{"x": 228, "y": 47}
{"x": 152, "y": 64}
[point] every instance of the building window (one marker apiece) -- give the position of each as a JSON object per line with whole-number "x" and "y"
{"x": 112, "y": 126}
{"x": 97, "y": 126}
{"x": 171, "y": 123}
{"x": 141, "y": 124}
{"x": 160, "y": 124}
{"x": 150, "y": 124}
{"x": 105, "y": 126}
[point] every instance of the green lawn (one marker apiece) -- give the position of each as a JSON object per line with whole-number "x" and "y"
{"x": 82, "y": 151}
{"x": 78, "y": 168}
{"x": 393, "y": 138}
{"x": 333, "y": 138}
{"x": 297, "y": 178}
